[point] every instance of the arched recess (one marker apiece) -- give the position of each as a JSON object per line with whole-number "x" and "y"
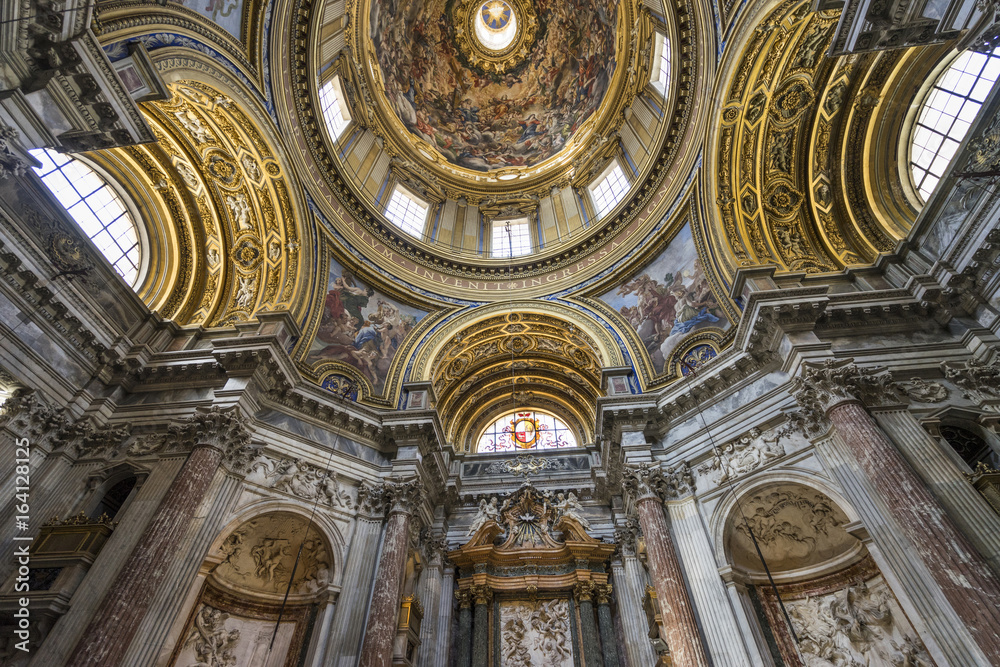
{"x": 839, "y": 603}
{"x": 793, "y": 180}
{"x": 242, "y": 590}
{"x": 489, "y": 360}
{"x": 222, "y": 217}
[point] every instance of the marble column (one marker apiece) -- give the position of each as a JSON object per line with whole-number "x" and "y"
{"x": 722, "y": 635}
{"x": 946, "y": 481}
{"x": 606, "y": 625}
{"x": 644, "y": 484}
{"x": 482, "y": 596}
{"x": 383, "y": 613}
{"x": 583, "y": 594}
{"x": 349, "y": 616}
{"x": 442, "y": 640}
{"x": 116, "y": 621}
{"x": 463, "y": 640}
{"x": 835, "y": 390}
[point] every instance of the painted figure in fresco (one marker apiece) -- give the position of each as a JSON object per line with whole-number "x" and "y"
{"x": 664, "y": 311}
{"x": 485, "y": 121}
{"x": 360, "y": 328}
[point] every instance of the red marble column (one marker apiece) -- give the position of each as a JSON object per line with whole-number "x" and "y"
{"x": 117, "y": 619}
{"x": 383, "y": 614}
{"x": 837, "y": 390}
{"x": 959, "y": 570}
{"x": 683, "y": 638}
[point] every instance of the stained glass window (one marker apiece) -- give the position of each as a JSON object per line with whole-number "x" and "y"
{"x": 526, "y": 429}
{"x": 95, "y": 206}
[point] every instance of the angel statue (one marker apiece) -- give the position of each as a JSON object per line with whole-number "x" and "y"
{"x": 568, "y": 505}
{"x": 487, "y": 512}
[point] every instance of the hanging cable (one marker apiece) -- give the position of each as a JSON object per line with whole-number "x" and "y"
{"x": 753, "y": 538}
{"x": 309, "y": 524}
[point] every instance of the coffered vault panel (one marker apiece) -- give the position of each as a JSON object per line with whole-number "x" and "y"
{"x": 793, "y": 176}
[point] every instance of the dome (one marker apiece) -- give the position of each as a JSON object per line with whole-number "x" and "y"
{"x": 492, "y": 86}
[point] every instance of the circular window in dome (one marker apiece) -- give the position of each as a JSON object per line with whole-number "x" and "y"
{"x": 497, "y": 25}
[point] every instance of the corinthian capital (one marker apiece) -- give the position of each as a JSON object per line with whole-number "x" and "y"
{"x": 833, "y": 382}
{"x": 219, "y": 429}
{"x": 978, "y": 380}
{"x": 403, "y": 497}
{"x": 643, "y": 482}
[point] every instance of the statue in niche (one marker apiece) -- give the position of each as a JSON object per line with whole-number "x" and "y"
{"x": 213, "y": 644}
{"x": 487, "y": 512}
{"x": 568, "y": 505}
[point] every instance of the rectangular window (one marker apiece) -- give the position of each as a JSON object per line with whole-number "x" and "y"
{"x": 610, "y": 189}
{"x": 335, "y": 111}
{"x": 407, "y": 212}
{"x": 513, "y": 244}
{"x": 660, "y": 70}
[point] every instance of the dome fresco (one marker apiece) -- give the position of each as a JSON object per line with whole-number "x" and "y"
{"x": 485, "y": 120}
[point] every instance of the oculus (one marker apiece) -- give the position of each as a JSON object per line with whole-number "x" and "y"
{"x": 497, "y": 25}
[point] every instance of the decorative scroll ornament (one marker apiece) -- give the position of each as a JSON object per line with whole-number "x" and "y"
{"x": 371, "y": 500}
{"x": 824, "y": 386}
{"x": 978, "y": 380}
{"x": 627, "y": 536}
{"x": 923, "y": 391}
{"x": 523, "y": 465}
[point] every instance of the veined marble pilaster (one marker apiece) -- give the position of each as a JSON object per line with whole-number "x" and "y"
{"x": 629, "y": 588}
{"x": 837, "y": 391}
{"x": 383, "y": 613}
{"x": 722, "y": 635}
{"x": 429, "y": 592}
{"x": 442, "y": 639}
{"x": 349, "y": 616}
{"x": 217, "y": 435}
{"x": 965, "y": 505}
{"x": 645, "y": 484}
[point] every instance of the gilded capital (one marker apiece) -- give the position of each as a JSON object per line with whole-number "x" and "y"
{"x": 584, "y": 591}
{"x": 481, "y": 593}
{"x": 602, "y": 593}
{"x": 464, "y": 597}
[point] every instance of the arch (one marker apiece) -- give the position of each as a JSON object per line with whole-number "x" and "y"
{"x": 727, "y": 508}
{"x": 326, "y": 526}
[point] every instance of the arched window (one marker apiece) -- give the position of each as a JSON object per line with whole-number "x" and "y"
{"x": 946, "y": 114}
{"x": 970, "y": 446}
{"x": 113, "y": 499}
{"x": 96, "y": 207}
{"x": 526, "y": 429}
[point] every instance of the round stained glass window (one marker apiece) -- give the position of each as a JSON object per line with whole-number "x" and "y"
{"x": 497, "y": 25}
